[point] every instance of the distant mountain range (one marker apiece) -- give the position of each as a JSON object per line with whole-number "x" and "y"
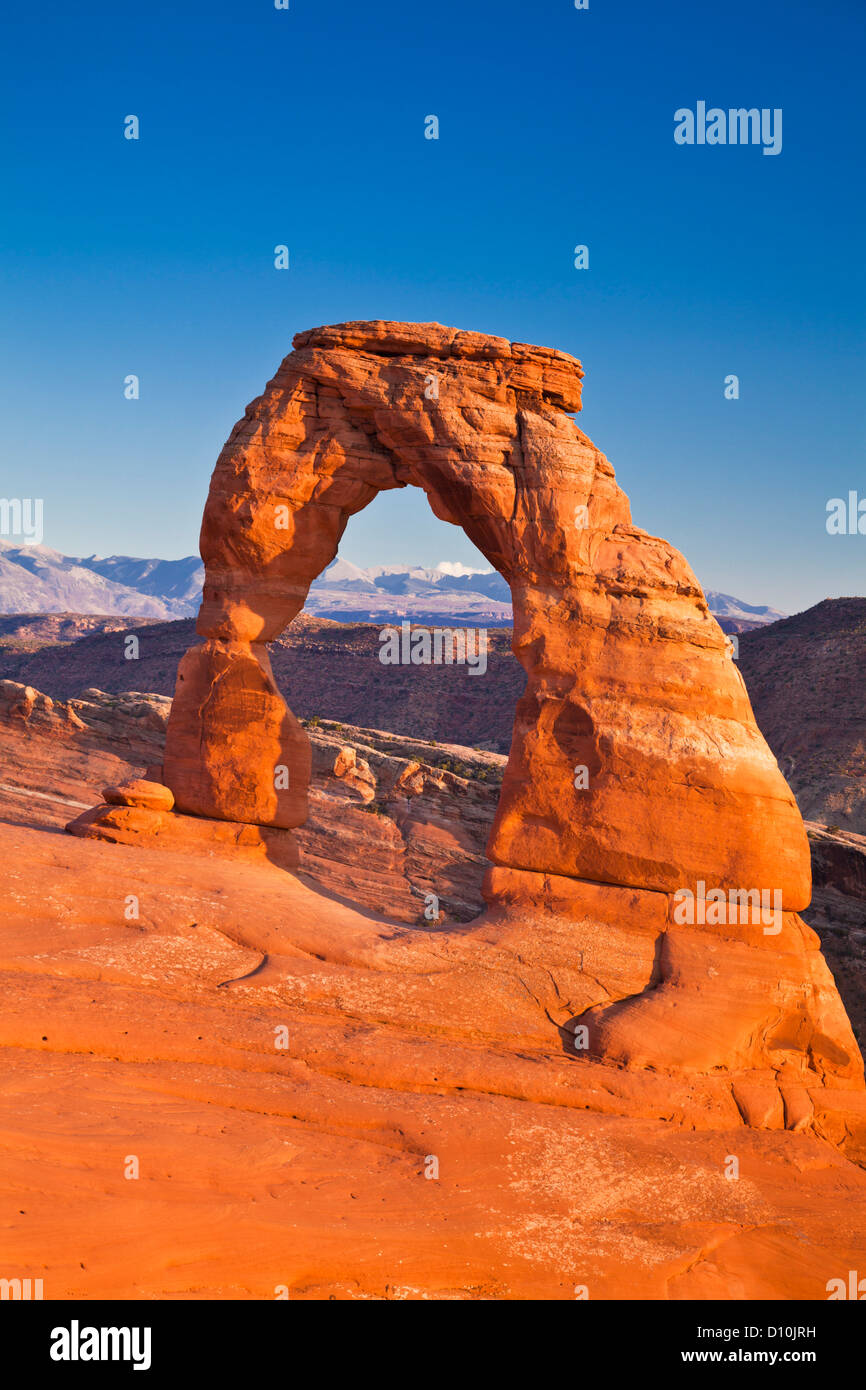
{"x": 36, "y": 579}
{"x": 446, "y": 593}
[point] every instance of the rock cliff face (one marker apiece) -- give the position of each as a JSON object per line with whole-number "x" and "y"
{"x": 805, "y": 679}
{"x": 641, "y": 809}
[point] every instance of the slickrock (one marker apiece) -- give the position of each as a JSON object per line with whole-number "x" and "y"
{"x": 131, "y": 825}
{"x": 303, "y": 1164}
{"x": 146, "y": 985}
{"x": 635, "y": 764}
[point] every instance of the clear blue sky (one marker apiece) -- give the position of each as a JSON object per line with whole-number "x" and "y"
{"x": 306, "y": 127}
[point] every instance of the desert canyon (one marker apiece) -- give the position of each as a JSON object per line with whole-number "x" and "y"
{"x": 228, "y": 969}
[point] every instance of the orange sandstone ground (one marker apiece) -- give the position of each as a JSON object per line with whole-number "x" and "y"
{"x": 304, "y": 1167}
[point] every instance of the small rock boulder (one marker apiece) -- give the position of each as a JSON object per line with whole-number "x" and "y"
{"x": 151, "y": 796}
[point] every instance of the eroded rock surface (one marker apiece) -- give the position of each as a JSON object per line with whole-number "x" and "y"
{"x": 303, "y": 1166}
{"x": 156, "y": 1032}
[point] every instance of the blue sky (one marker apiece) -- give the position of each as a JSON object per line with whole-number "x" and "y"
{"x": 306, "y": 127}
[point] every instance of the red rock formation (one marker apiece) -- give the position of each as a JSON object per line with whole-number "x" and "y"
{"x": 628, "y": 678}
{"x": 283, "y": 1065}
{"x": 628, "y": 673}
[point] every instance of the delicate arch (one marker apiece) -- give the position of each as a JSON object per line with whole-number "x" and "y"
{"x": 628, "y": 674}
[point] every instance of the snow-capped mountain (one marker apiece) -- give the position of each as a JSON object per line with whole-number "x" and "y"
{"x": 36, "y": 579}
{"x": 724, "y": 606}
{"x": 447, "y": 592}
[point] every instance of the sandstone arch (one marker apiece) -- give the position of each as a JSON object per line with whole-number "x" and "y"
{"x": 627, "y": 674}
{"x": 626, "y": 669}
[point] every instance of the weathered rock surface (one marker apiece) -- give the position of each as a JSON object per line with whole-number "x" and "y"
{"x": 58, "y": 755}
{"x": 635, "y": 763}
{"x": 391, "y": 819}
{"x": 420, "y": 826}
{"x": 304, "y": 1166}
{"x": 139, "y": 791}
{"x": 395, "y": 822}
{"x": 131, "y": 825}
{"x": 583, "y": 1059}
{"x": 229, "y": 686}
